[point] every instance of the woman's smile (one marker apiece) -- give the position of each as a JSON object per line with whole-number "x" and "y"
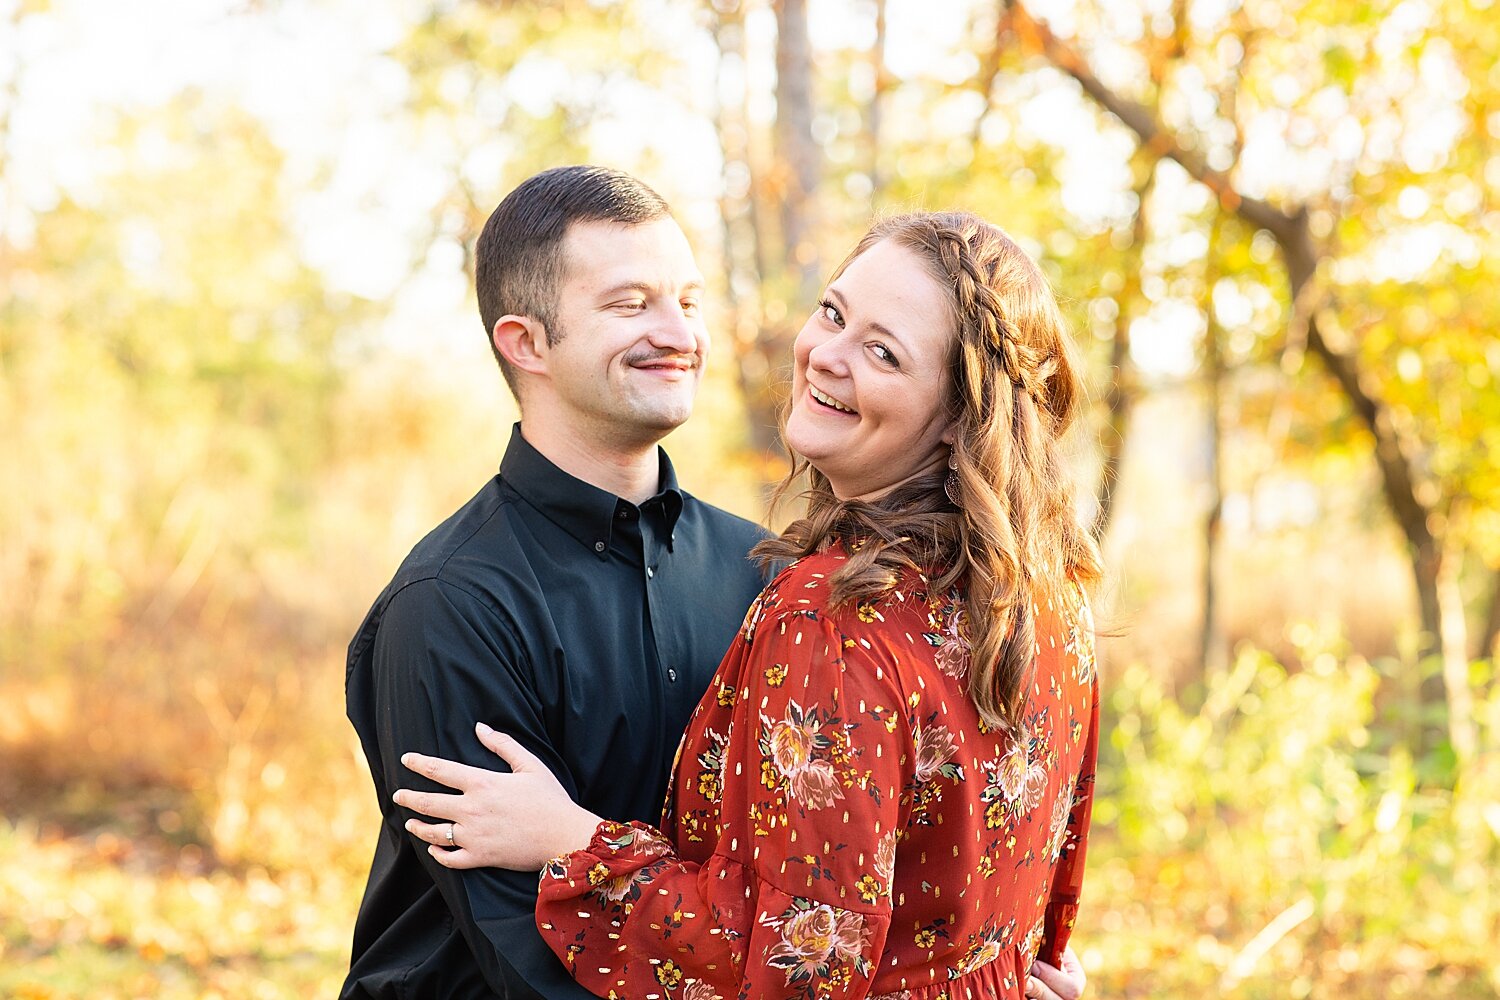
{"x": 828, "y": 401}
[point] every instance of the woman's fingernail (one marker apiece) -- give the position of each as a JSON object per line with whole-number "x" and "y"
{"x": 481, "y": 727}
{"x": 408, "y": 824}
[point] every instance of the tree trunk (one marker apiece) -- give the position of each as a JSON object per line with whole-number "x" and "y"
{"x": 1455, "y": 648}
{"x": 1119, "y": 400}
{"x": 1393, "y": 452}
{"x": 1489, "y": 639}
{"x": 1119, "y": 404}
{"x": 763, "y": 341}
{"x": 741, "y": 235}
{"x": 1213, "y": 654}
{"x": 797, "y": 153}
{"x": 877, "y": 97}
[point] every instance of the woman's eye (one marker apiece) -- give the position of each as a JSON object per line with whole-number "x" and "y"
{"x": 884, "y": 354}
{"x": 831, "y": 313}
{"x": 689, "y": 306}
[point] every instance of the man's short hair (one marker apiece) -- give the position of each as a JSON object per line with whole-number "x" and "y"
{"x": 518, "y": 260}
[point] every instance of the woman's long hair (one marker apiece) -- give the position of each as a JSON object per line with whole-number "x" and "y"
{"x": 1014, "y": 537}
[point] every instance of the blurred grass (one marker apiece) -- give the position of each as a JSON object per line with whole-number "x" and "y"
{"x": 178, "y": 829}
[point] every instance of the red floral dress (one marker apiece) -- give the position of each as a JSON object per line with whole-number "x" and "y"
{"x": 842, "y": 823}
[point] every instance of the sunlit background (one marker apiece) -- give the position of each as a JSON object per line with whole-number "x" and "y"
{"x": 241, "y": 373}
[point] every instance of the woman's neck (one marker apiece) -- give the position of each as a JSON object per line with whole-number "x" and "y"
{"x": 874, "y": 495}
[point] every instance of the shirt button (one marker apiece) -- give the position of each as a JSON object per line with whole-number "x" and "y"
{"x": 650, "y": 572}
{"x": 671, "y": 673}
{"x": 598, "y": 546}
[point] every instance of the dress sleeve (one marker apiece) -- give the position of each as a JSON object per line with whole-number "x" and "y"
{"x": 1067, "y": 879}
{"x": 794, "y": 900}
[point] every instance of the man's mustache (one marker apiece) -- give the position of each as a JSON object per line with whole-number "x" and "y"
{"x": 654, "y": 356}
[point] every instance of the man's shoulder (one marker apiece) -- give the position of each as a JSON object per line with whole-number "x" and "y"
{"x": 461, "y": 558}
{"x": 723, "y": 525}
{"x": 467, "y": 542}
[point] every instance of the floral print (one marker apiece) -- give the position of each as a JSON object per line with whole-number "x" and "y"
{"x": 1016, "y": 782}
{"x": 935, "y": 751}
{"x": 712, "y": 759}
{"x": 799, "y": 749}
{"x": 815, "y": 939}
{"x": 952, "y": 656}
{"x": 841, "y": 822}
{"x": 984, "y": 947}
{"x": 697, "y": 989}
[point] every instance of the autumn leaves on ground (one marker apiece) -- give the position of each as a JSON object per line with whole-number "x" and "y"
{"x": 240, "y": 376}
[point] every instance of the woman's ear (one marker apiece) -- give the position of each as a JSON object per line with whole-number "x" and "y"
{"x": 522, "y": 342}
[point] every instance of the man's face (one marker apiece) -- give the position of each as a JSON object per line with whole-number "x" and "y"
{"x": 629, "y": 334}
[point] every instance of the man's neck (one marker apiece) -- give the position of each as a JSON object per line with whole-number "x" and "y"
{"x": 631, "y": 472}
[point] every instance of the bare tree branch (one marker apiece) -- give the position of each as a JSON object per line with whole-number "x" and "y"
{"x": 1036, "y": 37}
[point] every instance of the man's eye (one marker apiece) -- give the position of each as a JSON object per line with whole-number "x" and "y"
{"x": 633, "y": 305}
{"x": 690, "y": 306}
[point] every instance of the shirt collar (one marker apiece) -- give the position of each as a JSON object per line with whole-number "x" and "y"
{"x": 581, "y": 509}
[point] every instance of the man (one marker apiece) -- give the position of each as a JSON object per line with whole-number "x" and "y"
{"x": 580, "y": 601}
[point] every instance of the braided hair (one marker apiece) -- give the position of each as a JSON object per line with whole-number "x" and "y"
{"x": 1013, "y": 536}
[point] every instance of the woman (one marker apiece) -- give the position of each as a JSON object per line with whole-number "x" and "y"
{"x": 886, "y": 790}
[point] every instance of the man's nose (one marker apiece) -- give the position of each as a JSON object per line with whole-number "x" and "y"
{"x": 674, "y": 330}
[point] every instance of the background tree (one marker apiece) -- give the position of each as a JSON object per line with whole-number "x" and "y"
{"x": 1315, "y": 296}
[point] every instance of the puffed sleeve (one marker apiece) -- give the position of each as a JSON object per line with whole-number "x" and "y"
{"x": 795, "y": 897}
{"x": 1067, "y": 879}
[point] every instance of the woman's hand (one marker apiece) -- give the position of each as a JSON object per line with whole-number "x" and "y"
{"x": 1047, "y": 983}
{"x": 519, "y": 820}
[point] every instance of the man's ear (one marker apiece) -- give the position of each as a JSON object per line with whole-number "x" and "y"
{"x": 522, "y": 341}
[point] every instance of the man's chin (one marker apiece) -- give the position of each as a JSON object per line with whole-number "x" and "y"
{"x": 655, "y": 422}
{"x": 664, "y": 413}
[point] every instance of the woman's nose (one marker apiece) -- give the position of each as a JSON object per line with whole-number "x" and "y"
{"x": 830, "y": 356}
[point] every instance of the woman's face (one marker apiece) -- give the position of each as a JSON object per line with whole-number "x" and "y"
{"x": 869, "y": 378}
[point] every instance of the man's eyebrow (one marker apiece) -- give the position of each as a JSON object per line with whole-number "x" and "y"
{"x": 838, "y": 300}
{"x": 647, "y": 288}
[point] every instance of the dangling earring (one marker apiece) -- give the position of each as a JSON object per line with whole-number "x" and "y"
{"x": 950, "y": 485}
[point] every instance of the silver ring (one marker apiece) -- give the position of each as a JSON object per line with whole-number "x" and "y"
{"x": 450, "y": 835}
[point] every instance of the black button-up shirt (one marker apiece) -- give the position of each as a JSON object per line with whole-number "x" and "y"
{"x": 582, "y": 625}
